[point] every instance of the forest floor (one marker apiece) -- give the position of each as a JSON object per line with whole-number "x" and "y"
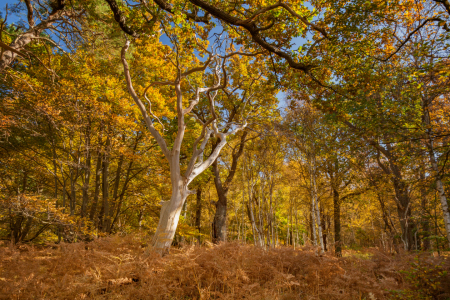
{"x": 119, "y": 268}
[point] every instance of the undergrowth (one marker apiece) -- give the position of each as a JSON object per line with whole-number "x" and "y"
{"x": 121, "y": 268}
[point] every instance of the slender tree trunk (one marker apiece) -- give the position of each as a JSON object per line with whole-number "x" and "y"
{"x": 313, "y": 221}
{"x": 73, "y": 194}
{"x": 319, "y": 227}
{"x": 388, "y": 226}
{"x": 64, "y": 189}
{"x": 425, "y": 222}
{"x": 272, "y": 217}
{"x": 440, "y": 190}
{"x": 316, "y": 205}
{"x": 244, "y": 232}
{"x": 114, "y": 202}
{"x": 434, "y": 165}
{"x": 55, "y": 169}
{"x": 219, "y": 230}
{"x": 337, "y": 223}
{"x": 124, "y": 187}
{"x": 198, "y": 213}
{"x": 105, "y": 218}
{"x": 73, "y": 178}
{"x": 324, "y": 228}
{"x": 104, "y": 213}
{"x": 256, "y": 234}
{"x": 98, "y": 174}
{"x": 122, "y": 194}
{"x": 87, "y": 171}
{"x": 261, "y": 220}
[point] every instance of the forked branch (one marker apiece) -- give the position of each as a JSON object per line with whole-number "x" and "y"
{"x": 148, "y": 121}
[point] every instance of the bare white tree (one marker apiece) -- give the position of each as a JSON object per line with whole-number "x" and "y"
{"x": 170, "y": 211}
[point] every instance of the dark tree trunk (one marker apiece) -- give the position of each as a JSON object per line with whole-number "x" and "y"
{"x": 73, "y": 195}
{"x": 219, "y": 227}
{"x": 404, "y": 213}
{"x": 98, "y": 173}
{"x": 402, "y": 197}
{"x": 124, "y": 187}
{"x": 425, "y": 222}
{"x": 198, "y": 213}
{"x": 104, "y": 212}
{"x": 115, "y": 193}
{"x": 122, "y": 194}
{"x": 387, "y": 225}
{"x": 219, "y": 230}
{"x": 323, "y": 220}
{"x": 87, "y": 171}
{"x": 337, "y": 223}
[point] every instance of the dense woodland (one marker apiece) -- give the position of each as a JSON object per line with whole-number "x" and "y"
{"x": 320, "y": 124}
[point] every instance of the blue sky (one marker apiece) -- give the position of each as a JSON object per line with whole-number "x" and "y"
{"x": 16, "y": 18}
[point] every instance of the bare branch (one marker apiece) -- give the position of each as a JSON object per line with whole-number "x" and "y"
{"x": 168, "y": 7}
{"x": 121, "y": 20}
{"x": 408, "y": 38}
{"x": 29, "y": 13}
{"x": 159, "y": 139}
{"x": 252, "y": 28}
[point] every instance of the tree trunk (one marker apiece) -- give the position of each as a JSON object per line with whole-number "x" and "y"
{"x": 439, "y": 185}
{"x": 424, "y": 219}
{"x": 402, "y": 198}
{"x": 87, "y": 171}
{"x": 324, "y": 229}
{"x": 319, "y": 227}
{"x": 313, "y": 222}
{"x": 169, "y": 216}
{"x": 124, "y": 187}
{"x": 337, "y": 223}
{"x": 114, "y": 201}
{"x": 316, "y": 205}
{"x": 98, "y": 173}
{"x": 73, "y": 194}
{"x": 272, "y": 216}
{"x": 261, "y": 220}
{"x": 404, "y": 213}
{"x": 440, "y": 190}
{"x": 104, "y": 217}
{"x": 198, "y": 213}
{"x": 122, "y": 194}
{"x": 219, "y": 230}
{"x": 256, "y": 234}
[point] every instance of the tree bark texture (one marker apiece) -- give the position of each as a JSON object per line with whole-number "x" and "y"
{"x": 219, "y": 230}
{"x": 337, "y": 223}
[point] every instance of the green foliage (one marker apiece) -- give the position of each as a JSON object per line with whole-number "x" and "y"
{"x": 425, "y": 280}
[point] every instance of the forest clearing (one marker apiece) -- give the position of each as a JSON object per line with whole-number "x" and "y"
{"x": 210, "y": 149}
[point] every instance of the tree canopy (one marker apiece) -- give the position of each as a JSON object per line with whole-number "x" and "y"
{"x": 268, "y": 122}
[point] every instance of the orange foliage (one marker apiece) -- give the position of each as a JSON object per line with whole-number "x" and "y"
{"x": 119, "y": 268}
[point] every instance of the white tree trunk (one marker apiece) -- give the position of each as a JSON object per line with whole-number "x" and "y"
{"x": 313, "y": 218}
{"x": 313, "y": 207}
{"x": 170, "y": 212}
{"x": 437, "y": 175}
{"x": 319, "y": 227}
